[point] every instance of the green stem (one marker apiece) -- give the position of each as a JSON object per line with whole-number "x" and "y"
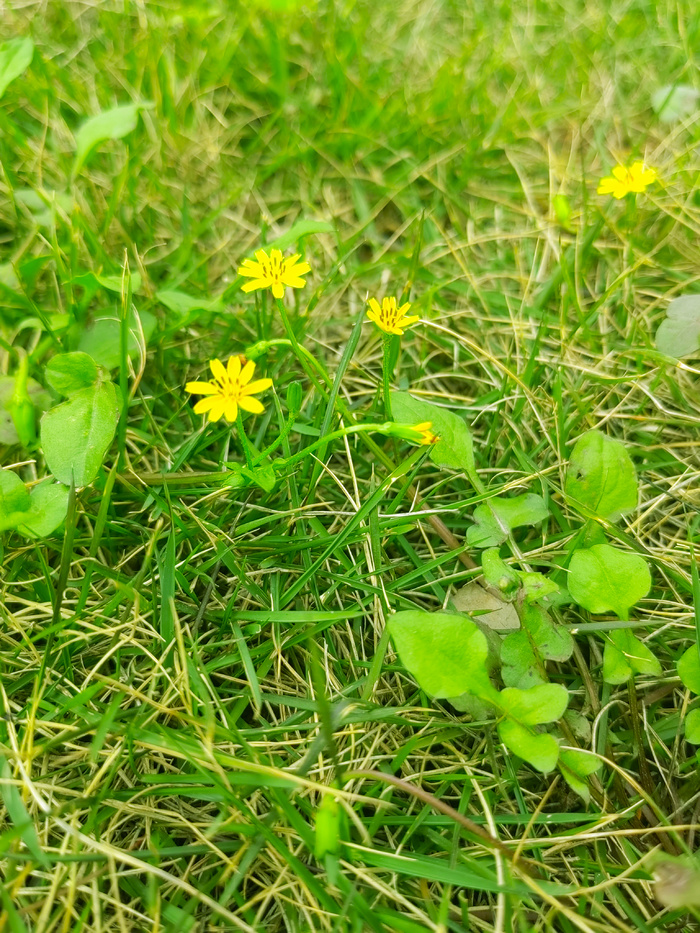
{"x": 387, "y": 376}
{"x": 245, "y": 444}
{"x": 300, "y": 354}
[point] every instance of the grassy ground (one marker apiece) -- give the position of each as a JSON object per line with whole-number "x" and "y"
{"x": 173, "y": 782}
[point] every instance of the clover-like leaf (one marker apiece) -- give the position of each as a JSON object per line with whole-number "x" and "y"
{"x": 601, "y": 476}
{"x": 454, "y": 450}
{"x": 496, "y": 518}
{"x": 603, "y": 579}
{"x": 445, "y": 652}
{"x": 625, "y": 655}
{"x": 679, "y": 333}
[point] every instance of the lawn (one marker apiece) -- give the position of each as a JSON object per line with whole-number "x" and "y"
{"x": 248, "y": 673}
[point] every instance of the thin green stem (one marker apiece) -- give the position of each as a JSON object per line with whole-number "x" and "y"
{"x": 245, "y": 443}
{"x": 301, "y": 354}
{"x": 386, "y": 373}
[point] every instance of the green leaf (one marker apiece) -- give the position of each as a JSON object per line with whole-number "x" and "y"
{"x": 496, "y": 518}
{"x": 93, "y": 281}
{"x": 301, "y": 229}
{"x": 48, "y": 505}
{"x": 604, "y": 579}
{"x": 263, "y": 476}
{"x": 601, "y": 476}
{"x": 498, "y": 573}
{"x": 689, "y": 669}
{"x": 15, "y": 56}
{"x": 520, "y": 668}
{"x": 537, "y": 748}
{"x": 69, "y": 372}
{"x": 537, "y": 705}
{"x": 692, "y": 727}
{"x": 77, "y": 434}
{"x": 13, "y": 498}
{"x": 679, "y": 334}
{"x": 575, "y": 767}
{"x": 110, "y": 124}
{"x": 675, "y": 102}
{"x": 445, "y": 652}
{"x": 182, "y": 304}
{"x": 18, "y": 814}
{"x": 39, "y": 397}
{"x": 101, "y": 340}
{"x": 625, "y": 655}
{"x": 537, "y": 586}
{"x": 454, "y": 449}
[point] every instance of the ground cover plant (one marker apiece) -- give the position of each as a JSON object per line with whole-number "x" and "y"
{"x": 348, "y": 467}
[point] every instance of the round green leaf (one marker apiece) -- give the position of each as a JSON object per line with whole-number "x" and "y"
{"x": 444, "y": 651}
{"x": 540, "y": 704}
{"x": 48, "y": 504}
{"x": 692, "y": 726}
{"x": 689, "y": 669}
{"x": 14, "y": 498}
{"x": 537, "y": 748}
{"x": 76, "y": 435}
{"x": 626, "y": 655}
{"x": 601, "y": 476}
{"x": 604, "y": 579}
{"x": 679, "y": 333}
{"x": 495, "y": 518}
{"x": 69, "y": 372}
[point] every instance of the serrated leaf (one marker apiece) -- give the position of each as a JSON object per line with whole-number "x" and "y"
{"x": 679, "y": 334}
{"x": 601, "y": 476}
{"x": 15, "y": 56}
{"x": 298, "y": 231}
{"x": 445, "y": 652}
{"x": 537, "y": 748}
{"x": 604, "y": 579}
{"x": 454, "y": 450}
{"x": 689, "y": 669}
{"x": 496, "y": 518}
{"x": 625, "y": 655}
{"x": 110, "y": 124}
{"x": 66, "y": 373}
{"x": 675, "y": 102}
{"x": 101, "y": 340}
{"x": 536, "y": 705}
{"x": 76, "y": 435}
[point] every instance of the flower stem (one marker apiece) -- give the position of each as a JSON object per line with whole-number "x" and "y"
{"x": 301, "y": 354}
{"x": 245, "y": 444}
{"x": 387, "y": 376}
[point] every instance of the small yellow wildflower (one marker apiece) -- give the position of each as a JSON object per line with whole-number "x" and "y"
{"x": 426, "y": 433}
{"x": 625, "y": 180}
{"x": 274, "y": 272}
{"x": 389, "y": 318}
{"x": 230, "y": 390}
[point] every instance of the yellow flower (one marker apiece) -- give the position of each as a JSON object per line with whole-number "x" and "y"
{"x": 274, "y": 272}
{"x": 625, "y": 180}
{"x": 230, "y": 390}
{"x": 389, "y": 318}
{"x": 426, "y": 433}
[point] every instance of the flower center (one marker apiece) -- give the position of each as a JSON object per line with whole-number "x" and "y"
{"x": 273, "y": 269}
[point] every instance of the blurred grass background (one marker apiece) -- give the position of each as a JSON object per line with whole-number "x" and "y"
{"x": 174, "y": 789}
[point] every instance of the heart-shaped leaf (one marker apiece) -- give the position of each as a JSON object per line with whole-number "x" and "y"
{"x": 604, "y": 579}
{"x": 537, "y": 748}
{"x": 77, "y": 434}
{"x": 444, "y": 651}
{"x": 601, "y": 476}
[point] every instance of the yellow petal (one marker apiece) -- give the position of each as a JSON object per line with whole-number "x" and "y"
{"x": 247, "y": 372}
{"x": 217, "y": 410}
{"x": 292, "y": 281}
{"x": 217, "y": 368}
{"x": 606, "y": 185}
{"x": 262, "y": 256}
{"x": 251, "y": 269}
{"x": 202, "y": 388}
{"x": 231, "y": 410}
{"x": 278, "y": 289}
{"x": 248, "y": 403}
{"x": 300, "y": 269}
{"x": 404, "y": 308}
{"x": 374, "y": 305}
{"x": 257, "y": 283}
{"x": 276, "y": 254}
{"x": 259, "y": 385}
{"x": 408, "y": 321}
{"x": 205, "y": 404}
{"x": 233, "y": 367}
{"x": 620, "y": 172}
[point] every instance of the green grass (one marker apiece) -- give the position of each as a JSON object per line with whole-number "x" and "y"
{"x": 218, "y": 661}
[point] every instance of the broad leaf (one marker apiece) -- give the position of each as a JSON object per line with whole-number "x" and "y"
{"x": 110, "y": 124}
{"x": 604, "y": 579}
{"x": 537, "y": 705}
{"x": 626, "y": 655}
{"x": 675, "y": 102}
{"x": 37, "y": 394}
{"x": 102, "y": 339}
{"x": 679, "y": 334}
{"x": 689, "y": 669}
{"x": 301, "y": 229}
{"x": 497, "y": 573}
{"x": 77, "y": 434}
{"x": 15, "y": 57}
{"x": 601, "y": 476}
{"x": 454, "y": 450}
{"x": 487, "y": 608}
{"x": 94, "y": 281}
{"x": 692, "y": 727}
{"x": 69, "y": 372}
{"x": 575, "y": 767}
{"x": 537, "y": 748}
{"x": 520, "y": 668}
{"x": 48, "y": 505}
{"x": 445, "y": 652}
{"x": 182, "y": 304}
{"x": 13, "y": 498}
{"x": 496, "y": 518}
